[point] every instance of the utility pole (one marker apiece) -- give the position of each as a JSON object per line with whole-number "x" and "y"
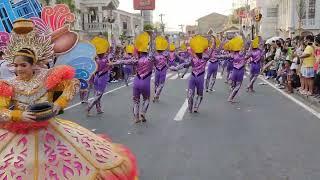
{"x": 162, "y": 25}
{"x": 181, "y": 27}
{"x": 181, "y": 33}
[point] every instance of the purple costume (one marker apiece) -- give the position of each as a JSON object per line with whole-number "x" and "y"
{"x": 101, "y": 79}
{"x": 212, "y": 71}
{"x": 161, "y": 66}
{"x": 172, "y": 59}
{"x": 141, "y": 83}
{"x": 239, "y": 61}
{"x": 255, "y": 65}
{"x": 127, "y": 69}
{"x": 196, "y": 82}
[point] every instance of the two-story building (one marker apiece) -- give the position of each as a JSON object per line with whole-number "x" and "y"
{"x": 102, "y": 17}
{"x": 10, "y": 11}
{"x": 280, "y": 17}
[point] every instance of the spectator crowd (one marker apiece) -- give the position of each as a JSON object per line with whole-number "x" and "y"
{"x": 294, "y": 64}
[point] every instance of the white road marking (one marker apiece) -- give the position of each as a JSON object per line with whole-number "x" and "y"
{"x": 186, "y": 76}
{"x": 174, "y": 77}
{"x": 169, "y": 75}
{"x": 219, "y": 76}
{"x": 113, "y": 90}
{"x": 303, "y": 105}
{"x": 182, "y": 111}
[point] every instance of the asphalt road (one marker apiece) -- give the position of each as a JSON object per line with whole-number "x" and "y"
{"x": 266, "y": 136}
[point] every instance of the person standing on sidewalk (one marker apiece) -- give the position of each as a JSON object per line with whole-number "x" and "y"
{"x": 307, "y": 68}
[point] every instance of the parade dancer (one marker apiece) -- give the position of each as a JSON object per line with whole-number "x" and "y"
{"x": 141, "y": 83}
{"x": 213, "y": 66}
{"x": 256, "y": 55}
{"x": 239, "y": 61}
{"x": 161, "y": 66}
{"x": 37, "y": 145}
{"x": 101, "y": 77}
{"x": 184, "y": 54}
{"x": 172, "y": 56}
{"x": 198, "y": 63}
{"x": 127, "y": 69}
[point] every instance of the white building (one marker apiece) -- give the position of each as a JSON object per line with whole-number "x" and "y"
{"x": 147, "y": 16}
{"x": 280, "y": 17}
{"x": 288, "y": 21}
{"x": 102, "y": 16}
{"x": 268, "y": 26}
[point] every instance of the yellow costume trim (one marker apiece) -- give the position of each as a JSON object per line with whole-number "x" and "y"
{"x": 130, "y": 49}
{"x": 161, "y": 43}
{"x": 25, "y": 54}
{"x": 142, "y": 42}
{"x": 255, "y": 42}
{"x": 16, "y": 115}
{"x": 70, "y": 89}
{"x": 236, "y": 44}
{"x": 4, "y": 102}
{"x": 102, "y": 45}
{"x": 183, "y": 47}
{"x": 62, "y": 102}
{"x": 199, "y": 44}
{"x": 172, "y": 47}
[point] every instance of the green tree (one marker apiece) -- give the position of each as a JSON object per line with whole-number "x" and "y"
{"x": 148, "y": 27}
{"x": 301, "y": 12}
{"x": 70, "y": 3}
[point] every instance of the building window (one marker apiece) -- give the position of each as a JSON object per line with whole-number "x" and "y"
{"x": 25, "y": 9}
{"x": 124, "y": 25}
{"x": 312, "y": 9}
{"x": 272, "y": 12}
{"x": 1, "y": 16}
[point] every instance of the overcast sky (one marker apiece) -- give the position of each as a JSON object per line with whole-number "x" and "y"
{"x": 191, "y": 11}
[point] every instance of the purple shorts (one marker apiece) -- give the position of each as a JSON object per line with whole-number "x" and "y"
{"x": 255, "y": 68}
{"x": 160, "y": 76}
{"x": 237, "y": 75}
{"x": 141, "y": 87}
{"x": 197, "y": 82}
{"x": 212, "y": 68}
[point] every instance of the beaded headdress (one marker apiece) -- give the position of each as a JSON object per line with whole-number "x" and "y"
{"x": 40, "y": 45}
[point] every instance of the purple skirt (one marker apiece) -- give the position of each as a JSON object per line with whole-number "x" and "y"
{"x": 255, "y": 68}
{"x": 237, "y": 75}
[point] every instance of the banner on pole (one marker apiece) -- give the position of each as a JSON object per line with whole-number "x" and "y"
{"x": 144, "y": 4}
